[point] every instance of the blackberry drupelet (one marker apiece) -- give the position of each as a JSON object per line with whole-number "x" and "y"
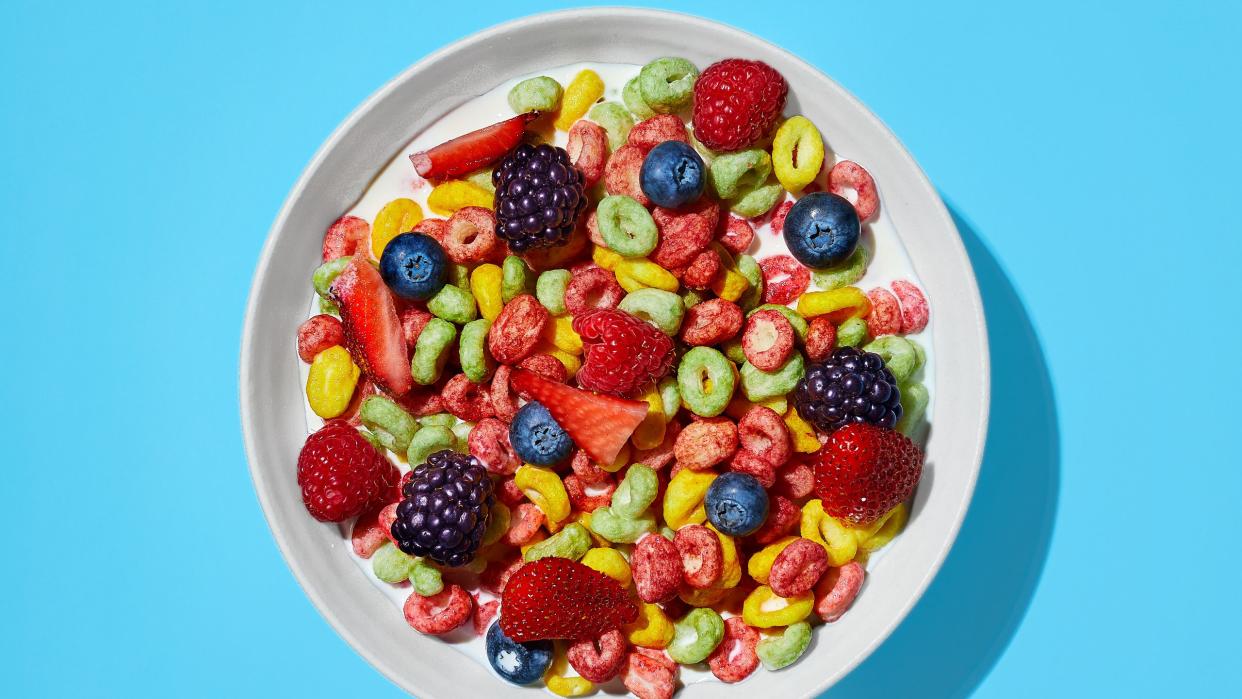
{"x": 539, "y": 197}
{"x": 849, "y": 386}
{"x": 445, "y": 509}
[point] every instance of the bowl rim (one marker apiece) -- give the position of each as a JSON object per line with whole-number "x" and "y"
{"x": 248, "y": 349}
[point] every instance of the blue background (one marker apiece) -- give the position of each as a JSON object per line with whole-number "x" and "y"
{"x": 1089, "y": 152}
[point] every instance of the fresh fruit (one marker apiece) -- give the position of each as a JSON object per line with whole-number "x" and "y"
{"x": 373, "y": 332}
{"x": 414, "y": 266}
{"x": 599, "y": 424}
{"x": 736, "y": 504}
{"x": 539, "y": 197}
{"x": 536, "y": 436}
{"x": 672, "y": 175}
{"x": 821, "y": 230}
{"x": 519, "y": 663}
{"x": 474, "y": 150}
{"x": 342, "y": 475}
{"x": 621, "y": 353}
{"x": 555, "y": 598}
{"x": 736, "y": 103}
{"x": 864, "y": 471}
{"x": 849, "y": 386}
{"x": 445, "y": 509}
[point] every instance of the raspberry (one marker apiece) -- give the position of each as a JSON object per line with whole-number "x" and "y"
{"x": 341, "y": 474}
{"x": 623, "y": 353}
{"x": 736, "y": 103}
{"x": 446, "y": 508}
{"x": 864, "y": 471}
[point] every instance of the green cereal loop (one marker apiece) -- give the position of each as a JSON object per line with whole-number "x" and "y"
{"x": 662, "y": 309}
{"x": 844, "y": 274}
{"x": 668, "y": 533}
{"x": 919, "y": 352}
{"x": 572, "y": 542}
{"x": 698, "y": 366}
{"x": 852, "y": 332}
{"x": 667, "y": 84}
{"x": 800, "y": 326}
{"x": 327, "y": 273}
{"x": 749, "y": 268}
{"x": 696, "y": 636}
{"x": 459, "y": 276}
{"x": 757, "y": 201}
{"x": 329, "y": 307}
{"x": 670, "y": 396}
{"x": 425, "y": 578}
{"x": 616, "y": 120}
{"x": 621, "y": 530}
{"x": 636, "y": 493}
{"x": 428, "y": 441}
{"x": 627, "y": 226}
{"x": 541, "y": 94}
{"x": 375, "y": 442}
{"x": 733, "y": 350}
{"x": 632, "y": 95}
{"x": 390, "y": 564}
{"x": 914, "y": 399}
{"x": 431, "y": 350}
{"x": 692, "y": 298}
{"x": 734, "y": 174}
{"x": 462, "y": 432}
{"x": 898, "y": 353}
{"x": 390, "y": 423}
{"x": 438, "y": 420}
{"x": 550, "y": 290}
{"x": 497, "y": 523}
{"x": 761, "y": 385}
{"x": 454, "y": 304}
{"x": 776, "y": 652}
{"x": 514, "y": 278}
{"x": 472, "y": 350}
{"x": 482, "y": 178}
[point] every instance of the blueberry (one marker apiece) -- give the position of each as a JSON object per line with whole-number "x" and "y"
{"x": 414, "y": 266}
{"x": 822, "y": 229}
{"x": 736, "y": 504}
{"x": 537, "y": 437}
{"x": 672, "y": 175}
{"x": 519, "y": 663}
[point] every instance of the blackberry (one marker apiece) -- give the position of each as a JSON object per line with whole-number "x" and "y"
{"x": 445, "y": 509}
{"x": 539, "y": 197}
{"x": 849, "y": 386}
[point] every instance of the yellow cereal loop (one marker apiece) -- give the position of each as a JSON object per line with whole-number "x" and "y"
{"x": 760, "y": 564}
{"x": 683, "y": 498}
{"x": 650, "y": 432}
{"x": 583, "y": 91}
{"x": 797, "y": 153}
{"x": 891, "y": 525}
{"x": 817, "y": 526}
{"x": 331, "y": 381}
{"x": 764, "y": 609}
{"x": 485, "y": 284}
{"x": 635, "y": 274}
{"x": 652, "y": 628}
{"x": 606, "y": 258}
{"x": 398, "y": 216}
{"x": 544, "y": 488}
{"x": 622, "y": 460}
{"x": 448, "y": 197}
{"x": 610, "y": 562}
{"x": 730, "y": 286}
{"x": 804, "y": 439}
{"x": 731, "y": 564}
{"x": 557, "y": 681}
{"x": 560, "y": 333}
{"x": 839, "y": 304}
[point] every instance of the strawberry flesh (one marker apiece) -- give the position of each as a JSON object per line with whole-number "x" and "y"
{"x": 555, "y": 598}
{"x": 864, "y": 471}
{"x": 373, "y": 333}
{"x": 599, "y": 424}
{"x": 472, "y": 151}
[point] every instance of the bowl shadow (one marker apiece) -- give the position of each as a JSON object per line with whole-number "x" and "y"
{"x": 959, "y": 629}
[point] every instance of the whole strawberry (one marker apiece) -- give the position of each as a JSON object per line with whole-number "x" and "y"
{"x": 342, "y": 475}
{"x": 622, "y": 353}
{"x": 864, "y": 471}
{"x": 558, "y": 598}
{"x": 736, "y": 103}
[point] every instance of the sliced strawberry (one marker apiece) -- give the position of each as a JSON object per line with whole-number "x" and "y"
{"x": 373, "y": 331}
{"x": 559, "y": 598}
{"x": 472, "y": 151}
{"x": 599, "y": 424}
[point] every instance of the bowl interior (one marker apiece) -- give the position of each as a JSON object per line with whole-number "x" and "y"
{"x": 271, "y": 401}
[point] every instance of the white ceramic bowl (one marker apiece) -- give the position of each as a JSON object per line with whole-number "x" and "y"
{"x": 273, "y": 416}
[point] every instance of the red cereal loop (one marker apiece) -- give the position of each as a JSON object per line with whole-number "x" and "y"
{"x": 702, "y": 560}
{"x": 365, "y": 388}
{"x": 413, "y": 320}
{"x": 517, "y": 329}
{"x": 705, "y": 210}
{"x": 317, "y": 334}
{"x": 797, "y": 568}
{"x": 784, "y": 279}
{"x": 420, "y": 401}
{"x": 434, "y": 227}
{"x": 705, "y": 443}
{"x": 470, "y": 236}
{"x": 783, "y": 517}
{"x": 702, "y": 271}
{"x": 762, "y": 431}
{"x": 588, "y": 149}
{"x": 593, "y": 233}
{"x": 621, "y": 173}
{"x": 735, "y": 658}
{"x": 796, "y": 479}
{"x": 847, "y": 175}
{"x": 592, "y": 288}
{"x": 368, "y": 534}
{"x": 683, "y": 234}
{"x": 649, "y": 133}
{"x": 656, "y": 566}
{"x": 439, "y": 613}
{"x": 661, "y": 455}
{"x": 649, "y": 675}
{"x": 547, "y": 366}
{"x": 589, "y": 497}
{"x": 914, "y": 312}
{"x": 583, "y": 266}
{"x": 346, "y": 236}
{"x": 504, "y": 402}
{"x": 497, "y": 573}
{"x": 598, "y": 659}
{"x": 489, "y": 443}
{"x": 778, "y": 218}
{"x": 746, "y": 461}
{"x": 466, "y": 399}
{"x": 837, "y": 589}
{"x": 735, "y": 234}
{"x": 885, "y": 315}
{"x": 711, "y": 322}
{"x": 484, "y": 612}
{"x": 509, "y": 493}
{"x": 524, "y": 521}
{"x": 821, "y": 338}
{"x": 587, "y": 471}
{"x": 768, "y": 339}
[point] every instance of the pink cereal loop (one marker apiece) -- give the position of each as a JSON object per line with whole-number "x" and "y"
{"x": 735, "y": 658}
{"x": 346, "y": 236}
{"x": 439, "y": 613}
{"x": 656, "y": 567}
{"x": 885, "y": 315}
{"x": 797, "y": 568}
{"x": 599, "y": 659}
{"x": 837, "y": 589}
{"x": 489, "y": 443}
{"x": 484, "y": 612}
{"x": 368, "y": 534}
{"x": 914, "y": 311}
{"x": 588, "y": 150}
{"x": 847, "y": 175}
